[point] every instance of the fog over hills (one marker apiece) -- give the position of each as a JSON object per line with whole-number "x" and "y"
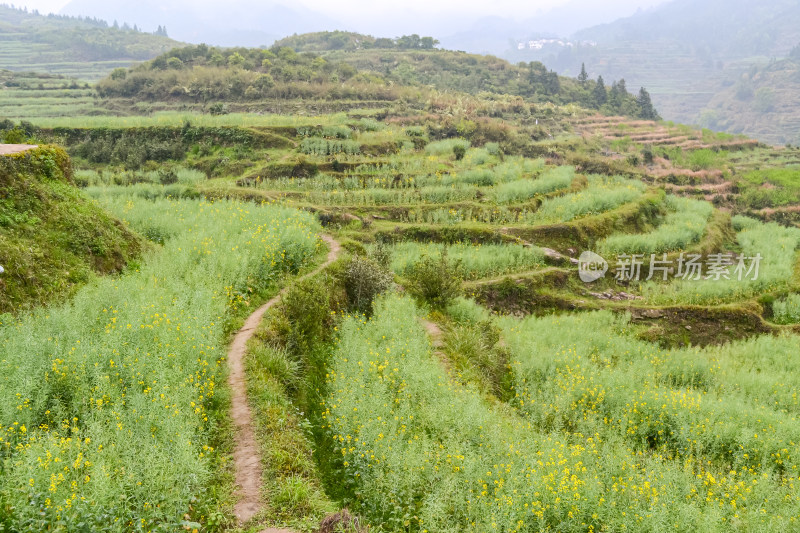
{"x": 234, "y": 23}
{"x": 688, "y": 53}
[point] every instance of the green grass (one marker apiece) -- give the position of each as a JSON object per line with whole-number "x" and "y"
{"x": 788, "y": 177}
{"x": 603, "y": 194}
{"x": 53, "y": 240}
{"x": 787, "y": 310}
{"x": 174, "y": 118}
{"x": 295, "y": 497}
{"x": 776, "y": 244}
{"x": 417, "y": 450}
{"x": 682, "y": 227}
{"x": 120, "y": 391}
{"x": 524, "y": 189}
{"x": 445, "y": 147}
{"x": 477, "y": 261}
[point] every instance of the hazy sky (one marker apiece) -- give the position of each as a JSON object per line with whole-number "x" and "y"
{"x": 367, "y": 9}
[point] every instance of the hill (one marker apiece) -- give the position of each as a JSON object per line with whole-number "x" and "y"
{"x": 411, "y": 70}
{"x": 84, "y": 48}
{"x": 764, "y": 102}
{"x": 52, "y": 239}
{"x": 685, "y": 53}
{"x": 724, "y": 29}
{"x": 479, "y": 206}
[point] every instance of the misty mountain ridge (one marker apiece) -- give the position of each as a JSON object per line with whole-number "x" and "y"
{"x": 692, "y": 55}
{"x": 234, "y": 23}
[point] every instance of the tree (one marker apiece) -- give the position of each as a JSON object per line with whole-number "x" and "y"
{"x": 428, "y": 43}
{"x": 599, "y": 94}
{"x": 646, "y": 109}
{"x": 583, "y": 77}
{"x": 235, "y": 59}
{"x": 408, "y": 41}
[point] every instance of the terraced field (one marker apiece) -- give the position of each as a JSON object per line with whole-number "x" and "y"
{"x": 454, "y": 370}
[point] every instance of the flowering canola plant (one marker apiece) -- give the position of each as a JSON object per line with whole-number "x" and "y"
{"x": 576, "y": 450}
{"x": 108, "y": 401}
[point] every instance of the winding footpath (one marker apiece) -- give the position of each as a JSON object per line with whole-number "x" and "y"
{"x": 9, "y": 149}
{"x": 246, "y": 456}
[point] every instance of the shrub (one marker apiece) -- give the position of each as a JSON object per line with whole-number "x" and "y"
{"x": 459, "y": 150}
{"x": 435, "y": 281}
{"x": 381, "y": 254}
{"x": 446, "y": 146}
{"x": 787, "y": 311}
{"x": 306, "y": 308}
{"x": 364, "y": 280}
{"x": 493, "y": 148}
{"x": 167, "y": 176}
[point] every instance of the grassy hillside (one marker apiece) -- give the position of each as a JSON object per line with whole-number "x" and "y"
{"x": 86, "y": 49}
{"x": 52, "y": 239}
{"x": 28, "y": 95}
{"x": 205, "y": 75}
{"x": 497, "y": 391}
{"x": 602, "y": 378}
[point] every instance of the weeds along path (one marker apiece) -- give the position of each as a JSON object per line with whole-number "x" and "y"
{"x": 246, "y": 457}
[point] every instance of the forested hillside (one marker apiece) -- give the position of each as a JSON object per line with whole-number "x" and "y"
{"x": 689, "y": 54}
{"x": 85, "y": 48}
{"x": 202, "y": 74}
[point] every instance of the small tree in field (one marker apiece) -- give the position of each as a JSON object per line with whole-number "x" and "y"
{"x": 364, "y": 280}
{"x": 435, "y": 281}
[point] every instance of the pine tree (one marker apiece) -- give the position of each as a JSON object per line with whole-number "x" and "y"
{"x": 583, "y": 77}
{"x": 614, "y": 95}
{"x": 646, "y": 109}
{"x": 599, "y": 94}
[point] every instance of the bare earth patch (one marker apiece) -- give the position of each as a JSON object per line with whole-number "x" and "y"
{"x": 8, "y": 149}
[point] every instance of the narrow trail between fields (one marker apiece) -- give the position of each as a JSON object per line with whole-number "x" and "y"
{"x": 9, "y": 149}
{"x": 436, "y": 335}
{"x": 246, "y": 456}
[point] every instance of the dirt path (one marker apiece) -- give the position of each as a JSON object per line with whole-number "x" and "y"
{"x": 246, "y": 457}
{"x": 8, "y": 149}
{"x": 436, "y": 335}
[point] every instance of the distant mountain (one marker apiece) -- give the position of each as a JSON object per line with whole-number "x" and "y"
{"x": 726, "y": 29}
{"x": 83, "y": 48}
{"x": 686, "y": 52}
{"x": 232, "y": 23}
{"x": 494, "y": 35}
{"x": 764, "y": 102}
